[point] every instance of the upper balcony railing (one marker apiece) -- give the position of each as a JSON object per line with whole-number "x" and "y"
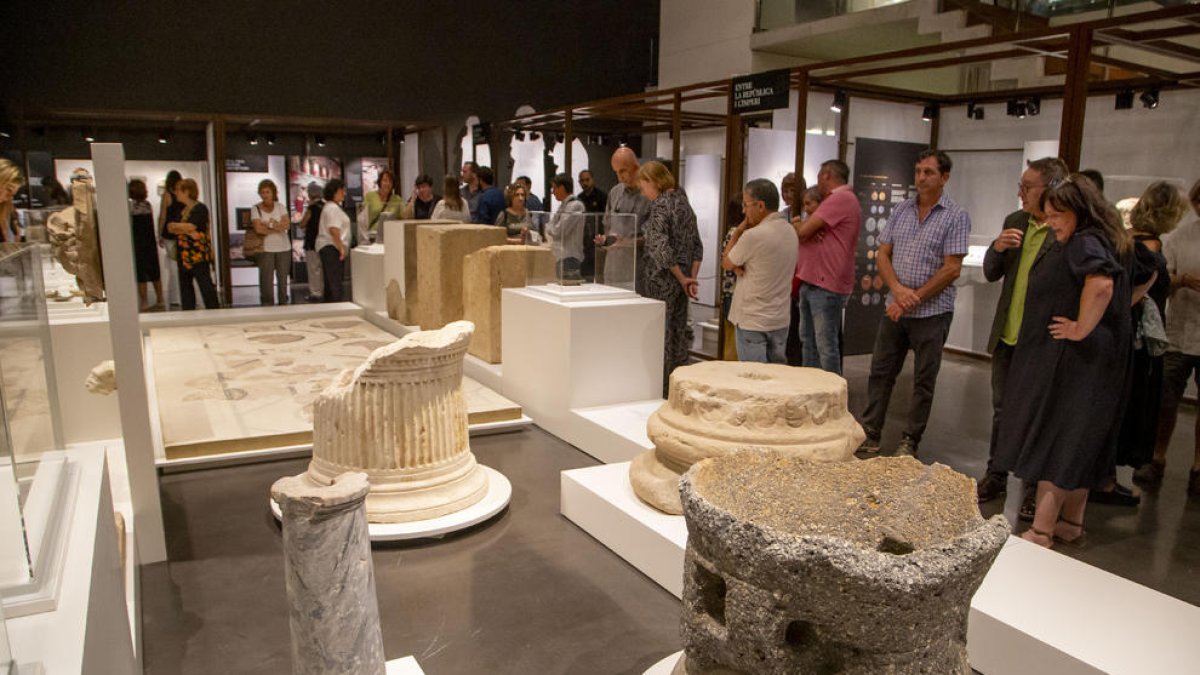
{"x": 779, "y": 13}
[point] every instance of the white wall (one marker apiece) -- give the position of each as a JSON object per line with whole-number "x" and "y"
{"x": 154, "y": 173}
{"x": 703, "y": 41}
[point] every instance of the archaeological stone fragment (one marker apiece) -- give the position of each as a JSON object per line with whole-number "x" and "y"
{"x": 860, "y": 567}
{"x": 716, "y": 407}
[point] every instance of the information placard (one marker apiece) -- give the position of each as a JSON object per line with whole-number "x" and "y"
{"x": 761, "y": 91}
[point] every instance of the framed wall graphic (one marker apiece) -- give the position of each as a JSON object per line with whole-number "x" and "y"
{"x": 242, "y": 218}
{"x": 883, "y": 177}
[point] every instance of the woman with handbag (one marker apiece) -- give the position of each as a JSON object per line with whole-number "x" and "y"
{"x": 195, "y": 252}
{"x": 382, "y": 203}
{"x": 269, "y": 220}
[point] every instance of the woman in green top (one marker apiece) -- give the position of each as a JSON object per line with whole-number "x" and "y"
{"x": 515, "y": 217}
{"x": 383, "y": 203}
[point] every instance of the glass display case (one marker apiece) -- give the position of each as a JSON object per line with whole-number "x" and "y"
{"x": 590, "y": 254}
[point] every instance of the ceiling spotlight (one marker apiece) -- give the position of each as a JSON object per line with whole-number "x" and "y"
{"x": 1017, "y": 108}
{"x": 1149, "y": 99}
{"x": 1033, "y": 105}
{"x": 5, "y": 134}
{"x": 253, "y": 139}
{"x": 839, "y": 101}
{"x": 930, "y": 112}
{"x": 164, "y": 137}
{"x": 270, "y": 139}
{"x": 974, "y": 111}
{"x": 320, "y": 140}
{"x": 1124, "y": 99}
{"x": 88, "y": 135}
{"x": 520, "y": 135}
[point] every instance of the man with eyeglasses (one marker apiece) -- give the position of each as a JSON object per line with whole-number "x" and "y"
{"x": 1021, "y": 244}
{"x": 762, "y": 253}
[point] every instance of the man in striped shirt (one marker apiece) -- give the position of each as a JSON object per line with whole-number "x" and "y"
{"x": 920, "y": 255}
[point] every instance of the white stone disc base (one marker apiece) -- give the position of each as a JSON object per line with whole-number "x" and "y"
{"x": 499, "y": 492}
{"x": 667, "y": 665}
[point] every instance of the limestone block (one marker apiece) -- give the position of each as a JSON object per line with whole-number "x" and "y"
{"x": 333, "y": 612}
{"x": 440, "y": 253}
{"x": 795, "y": 566}
{"x": 400, "y": 257}
{"x": 395, "y": 301}
{"x": 716, "y": 407}
{"x": 401, "y": 418}
{"x": 485, "y": 272}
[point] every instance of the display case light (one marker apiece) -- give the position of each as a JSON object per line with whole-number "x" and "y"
{"x": 1033, "y": 105}
{"x": 1124, "y": 100}
{"x": 974, "y": 111}
{"x": 5, "y": 133}
{"x": 253, "y": 139}
{"x": 839, "y": 101}
{"x": 1149, "y": 99}
{"x": 520, "y": 136}
{"x": 270, "y": 139}
{"x": 319, "y": 140}
{"x": 930, "y": 112}
{"x": 534, "y": 136}
{"x": 164, "y": 136}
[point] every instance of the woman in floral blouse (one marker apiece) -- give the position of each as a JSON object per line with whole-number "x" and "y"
{"x": 195, "y": 250}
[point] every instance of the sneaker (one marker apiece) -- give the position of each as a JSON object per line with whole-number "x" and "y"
{"x": 992, "y": 486}
{"x": 869, "y": 446}
{"x": 907, "y": 446}
{"x": 1149, "y": 475}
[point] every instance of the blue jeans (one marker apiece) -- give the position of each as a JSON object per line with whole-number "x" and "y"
{"x": 821, "y": 327}
{"x": 762, "y": 346}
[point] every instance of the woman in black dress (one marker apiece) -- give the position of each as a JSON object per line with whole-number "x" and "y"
{"x": 1065, "y": 391}
{"x": 145, "y": 246}
{"x": 671, "y": 259}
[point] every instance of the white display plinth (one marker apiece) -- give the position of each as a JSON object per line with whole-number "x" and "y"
{"x": 498, "y": 495}
{"x": 582, "y": 292}
{"x": 666, "y": 666}
{"x": 614, "y": 433}
{"x": 367, "y": 284}
{"x": 600, "y": 500}
{"x": 562, "y": 355}
{"x": 1037, "y": 611}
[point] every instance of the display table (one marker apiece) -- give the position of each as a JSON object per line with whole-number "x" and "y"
{"x": 1038, "y": 611}
{"x": 567, "y": 349}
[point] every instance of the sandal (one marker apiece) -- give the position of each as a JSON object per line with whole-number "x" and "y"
{"x": 1078, "y": 541}
{"x": 1036, "y": 536}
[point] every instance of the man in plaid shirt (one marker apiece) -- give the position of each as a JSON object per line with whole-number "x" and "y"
{"x": 920, "y": 255}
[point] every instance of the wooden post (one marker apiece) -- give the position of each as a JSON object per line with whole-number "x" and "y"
{"x": 734, "y": 163}
{"x": 568, "y": 140}
{"x": 676, "y": 135}
{"x": 801, "y": 127}
{"x": 392, "y": 162}
{"x": 445, "y": 151}
{"x": 935, "y": 129}
{"x": 218, "y": 211}
{"x": 1070, "y": 135}
{"x": 844, "y": 131}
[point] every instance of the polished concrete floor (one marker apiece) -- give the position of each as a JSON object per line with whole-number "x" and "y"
{"x": 531, "y": 593}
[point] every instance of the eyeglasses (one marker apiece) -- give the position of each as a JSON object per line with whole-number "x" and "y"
{"x": 1023, "y": 187}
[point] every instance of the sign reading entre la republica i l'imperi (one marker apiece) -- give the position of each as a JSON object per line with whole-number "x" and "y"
{"x": 761, "y": 91}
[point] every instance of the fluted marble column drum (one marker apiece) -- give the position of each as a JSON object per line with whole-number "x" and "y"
{"x": 401, "y": 418}
{"x": 716, "y": 407}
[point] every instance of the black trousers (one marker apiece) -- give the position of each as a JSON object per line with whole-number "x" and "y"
{"x": 203, "y": 278}
{"x": 333, "y": 267}
{"x": 925, "y": 337}
{"x": 1001, "y": 360}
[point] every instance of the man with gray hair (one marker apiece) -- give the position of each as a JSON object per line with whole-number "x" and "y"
{"x": 762, "y": 253}
{"x": 617, "y": 235}
{"x": 1024, "y": 239}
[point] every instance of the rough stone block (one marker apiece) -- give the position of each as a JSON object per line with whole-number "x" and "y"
{"x": 400, "y": 259}
{"x": 440, "y": 253}
{"x": 485, "y": 272}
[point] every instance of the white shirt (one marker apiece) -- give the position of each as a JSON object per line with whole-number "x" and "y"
{"x": 332, "y": 216}
{"x": 277, "y": 241}
{"x": 442, "y": 211}
{"x": 1181, "y": 248}
{"x": 763, "y": 295}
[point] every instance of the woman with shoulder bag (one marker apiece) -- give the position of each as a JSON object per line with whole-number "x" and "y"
{"x": 269, "y": 220}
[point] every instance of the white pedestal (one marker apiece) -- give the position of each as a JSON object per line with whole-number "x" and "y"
{"x": 1037, "y": 611}
{"x": 367, "y": 283}
{"x": 562, "y": 354}
{"x": 600, "y": 500}
{"x": 614, "y": 433}
{"x": 405, "y": 666}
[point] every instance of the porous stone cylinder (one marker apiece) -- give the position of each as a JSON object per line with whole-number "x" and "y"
{"x": 852, "y": 567}
{"x": 716, "y": 407}
{"x": 401, "y": 418}
{"x": 332, "y": 609}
